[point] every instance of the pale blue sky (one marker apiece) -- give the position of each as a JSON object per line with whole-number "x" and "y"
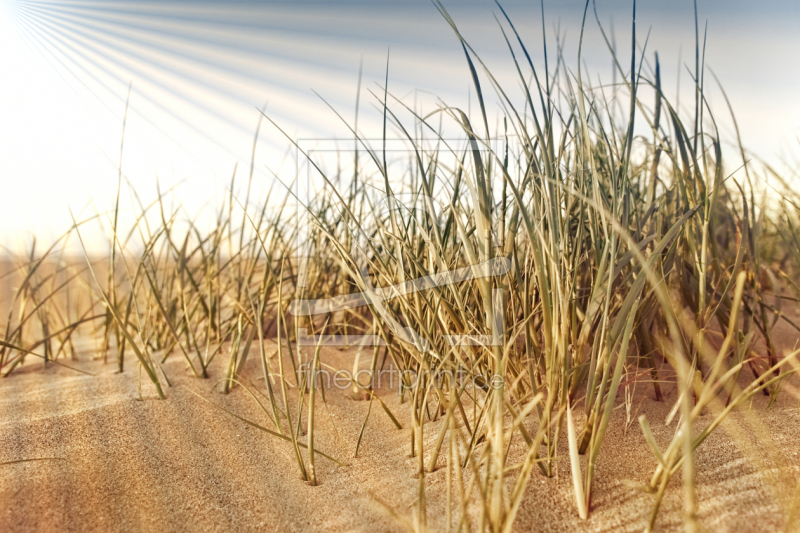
{"x": 200, "y": 69}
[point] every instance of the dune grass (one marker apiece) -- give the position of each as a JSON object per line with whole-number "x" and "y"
{"x": 624, "y": 250}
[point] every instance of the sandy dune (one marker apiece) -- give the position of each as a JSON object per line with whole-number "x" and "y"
{"x": 120, "y": 464}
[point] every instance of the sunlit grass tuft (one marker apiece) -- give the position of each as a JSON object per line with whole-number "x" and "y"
{"x": 625, "y": 251}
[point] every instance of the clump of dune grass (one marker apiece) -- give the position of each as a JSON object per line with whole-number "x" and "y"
{"x": 618, "y": 250}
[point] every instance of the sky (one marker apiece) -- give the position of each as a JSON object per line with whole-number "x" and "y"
{"x": 199, "y": 71}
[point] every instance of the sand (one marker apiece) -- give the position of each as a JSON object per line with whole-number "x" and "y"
{"x": 182, "y": 464}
